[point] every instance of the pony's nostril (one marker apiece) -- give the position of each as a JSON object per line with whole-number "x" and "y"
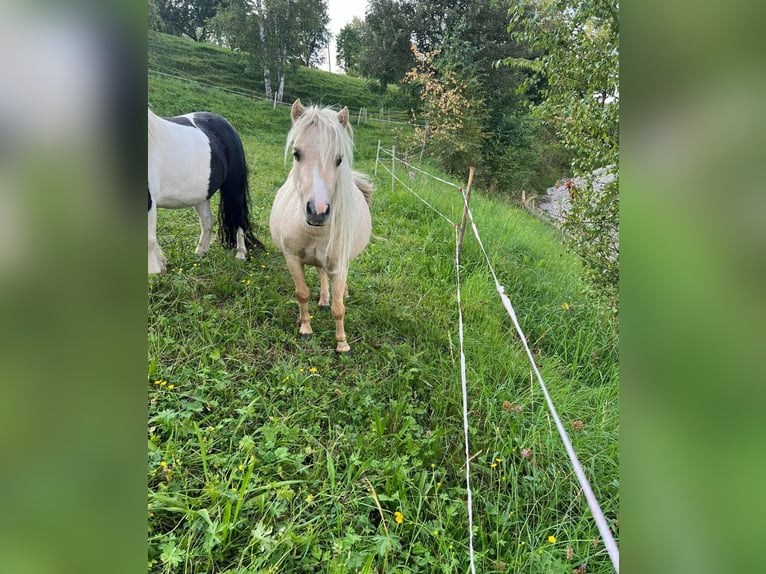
{"x": 310, "y": 208}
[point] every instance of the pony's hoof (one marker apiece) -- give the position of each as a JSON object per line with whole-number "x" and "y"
{"x": 346, "y": 353}
{"x": 305, "y": 336}
{"x": 324, "y": 307}
{"x": 342, "y": 348}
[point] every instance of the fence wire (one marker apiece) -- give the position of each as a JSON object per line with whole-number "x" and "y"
{"x": 598, "y": 515}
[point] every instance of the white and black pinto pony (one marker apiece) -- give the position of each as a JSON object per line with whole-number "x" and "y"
{"x": 190, "y": 158}
{"x": 321, "y": 215}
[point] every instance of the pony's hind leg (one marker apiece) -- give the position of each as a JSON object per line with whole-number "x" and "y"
{"x": 324, "y": 289}
{"x": 206, "y": 227}
{"x": 241, "y": 247}
{"x": 301, "y": 294}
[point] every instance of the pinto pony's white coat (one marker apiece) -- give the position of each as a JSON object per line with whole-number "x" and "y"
{"x": 181, "y": 156}
{"x": 321, "y": 215}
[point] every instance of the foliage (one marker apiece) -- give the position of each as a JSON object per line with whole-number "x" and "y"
{"x": 268, "y": 453}
{"x": 183, "y": 17}
{"x": 349, "y": 47}
{"x": 386, "y": 38}
{"x": 275, "y": 34}
{"x": 312, "y": 34}
{"x": 452, "y": 113}
{"x": 577, "y": 64}
{"x": 154, "y": 17}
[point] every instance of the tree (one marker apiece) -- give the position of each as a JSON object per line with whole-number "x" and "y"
{"x": 349, "y": 47}
{"x": 184, "y": 17}
{"x": 313, "y": 37}
{"x": 155, "y": 18}
{"x": 386, "y": 39}
{"x": 275, "y": 33}
{"x": 453, "y": 116}
{"x": 576, "y": 65}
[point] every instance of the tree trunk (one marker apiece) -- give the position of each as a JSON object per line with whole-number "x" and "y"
{"x": 281, "y": 88}
{"x": 281, "y": 72}
{"x": 262, "y": 35}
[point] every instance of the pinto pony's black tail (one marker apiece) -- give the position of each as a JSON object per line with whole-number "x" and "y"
{"x": 234, "y": 210}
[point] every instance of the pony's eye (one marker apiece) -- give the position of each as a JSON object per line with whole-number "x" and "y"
{"x": 338, "y": 161}
{"x": 297, "y": 155}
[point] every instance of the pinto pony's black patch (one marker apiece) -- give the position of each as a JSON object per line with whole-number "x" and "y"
{"x": 228, "y": 172}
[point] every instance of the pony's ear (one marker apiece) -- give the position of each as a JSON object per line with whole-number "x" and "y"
{"x": 343, "y": 117}
{"x": 297, "y": 110}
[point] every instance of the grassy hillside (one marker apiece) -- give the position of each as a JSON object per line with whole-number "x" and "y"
{"x": 222, "y": 67}
{"x": 268, "y": 453}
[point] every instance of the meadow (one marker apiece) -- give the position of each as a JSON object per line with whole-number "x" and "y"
{"x": 269, "y": 453}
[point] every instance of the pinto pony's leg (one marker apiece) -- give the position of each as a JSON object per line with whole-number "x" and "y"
{"x": 339, "y": 312}
{"x": 205, "y": 225}
{"x": 301, "y": 294}
{"x": 241, "y": 245}
{"x": 156, "y": 258}
{"x": 324, "y": 289}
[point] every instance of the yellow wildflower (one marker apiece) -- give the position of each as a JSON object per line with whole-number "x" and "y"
{"x": 399, "y": 517}
{"x": 171, "y": 386}
{"x": 552, "y": 539}
{"x": 565, "y": 306}
{"x": 313, "y": 370}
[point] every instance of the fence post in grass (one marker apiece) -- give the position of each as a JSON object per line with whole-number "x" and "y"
{"x": 465, "y": 212}
{"x": 359, "y": 117}
{"x": 393, "y": 166}
{"x": 275, "y": 101}
{"x": 377, "y": 158}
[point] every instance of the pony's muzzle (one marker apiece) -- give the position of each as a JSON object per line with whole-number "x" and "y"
{"x": 316, "y": 219}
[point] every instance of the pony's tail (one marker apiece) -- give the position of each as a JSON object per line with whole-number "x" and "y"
{"x": 363, "y": 184}
{"x": 234, "y": 212}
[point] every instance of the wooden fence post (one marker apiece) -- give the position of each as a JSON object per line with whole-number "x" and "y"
{"x": 423, "y": 148}
{"x": 465, "y": 211}
{"x": 377, "y": 158}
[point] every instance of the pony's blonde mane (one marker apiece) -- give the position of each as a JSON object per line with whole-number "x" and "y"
{"x": 335, "y": 140}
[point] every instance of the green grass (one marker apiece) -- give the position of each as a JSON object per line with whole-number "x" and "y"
{"x": 271, "y": 454}
{"x": 232, "y": 70}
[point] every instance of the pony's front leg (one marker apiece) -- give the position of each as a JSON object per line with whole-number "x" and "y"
{"x": 205, "y": 225}
{"x": 156, "y": 258}
{"x": 295, "y": 266}
{"x": 324, "y": 289}
{"x": 339, "y": 312}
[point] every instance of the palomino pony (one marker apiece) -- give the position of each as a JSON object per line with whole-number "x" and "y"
{"x": 190, "y": 158}
{"x": 321, "y": 215}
